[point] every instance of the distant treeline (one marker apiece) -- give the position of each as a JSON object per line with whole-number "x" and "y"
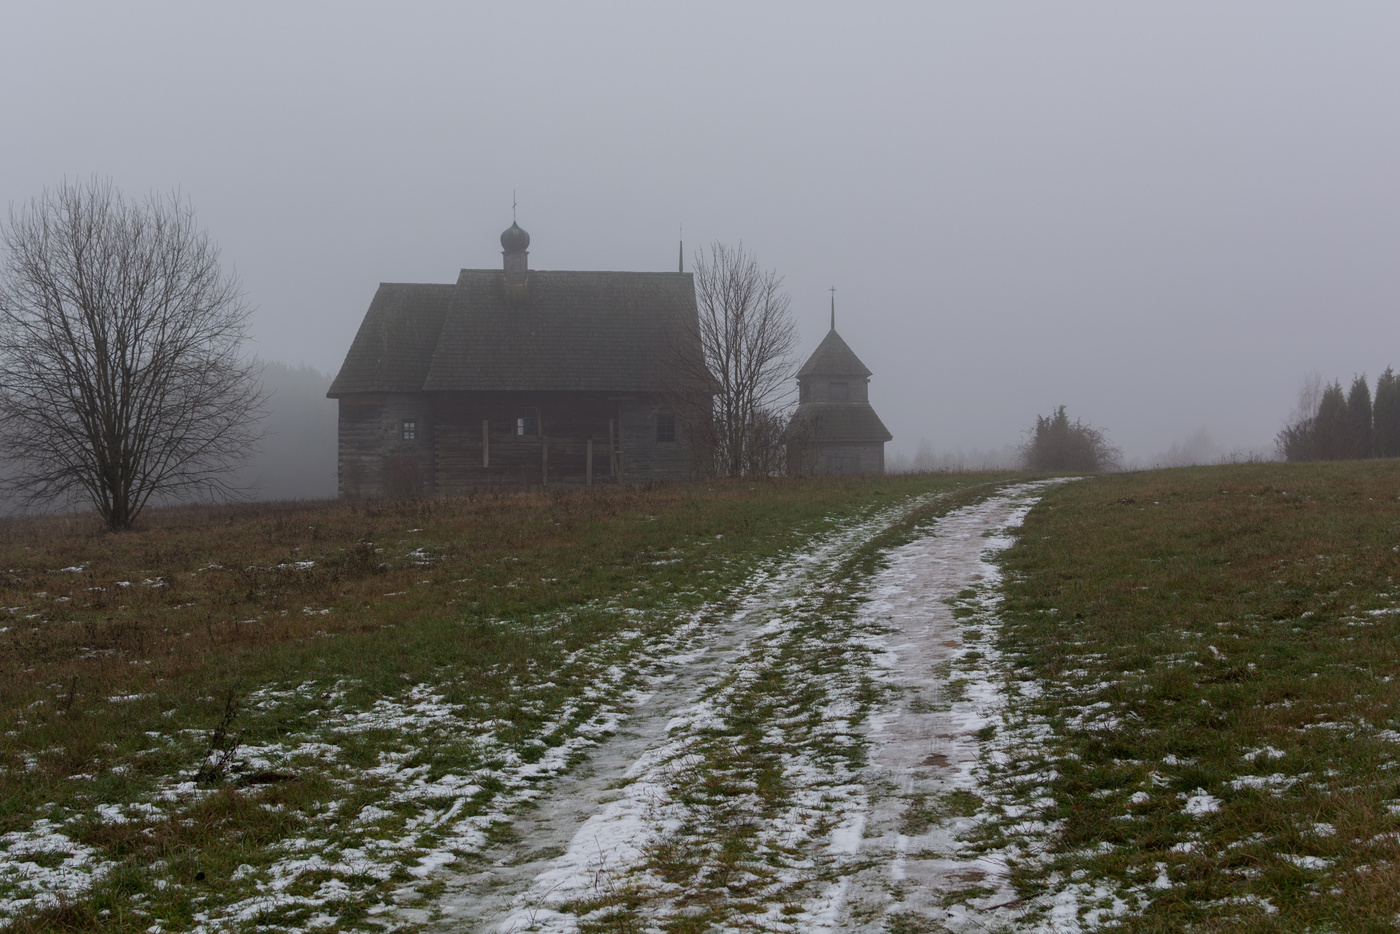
{"x": 1330, "y": 425}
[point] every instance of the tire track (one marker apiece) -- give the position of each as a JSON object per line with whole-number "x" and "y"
{"x": 586, "y": 825}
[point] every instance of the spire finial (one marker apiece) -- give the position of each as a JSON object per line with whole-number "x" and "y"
{"x": 680, "y": 265}
{"x": 833, "y": 307}
{"x": 512, "y": 206}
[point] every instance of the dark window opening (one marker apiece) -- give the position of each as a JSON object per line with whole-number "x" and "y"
{"x": 410, "y": 430}
{"x": 665, "y": 426}
{"x": 527, "y": 423}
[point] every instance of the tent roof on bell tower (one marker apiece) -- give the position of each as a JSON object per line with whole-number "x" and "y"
{"x": 833, "y": 357}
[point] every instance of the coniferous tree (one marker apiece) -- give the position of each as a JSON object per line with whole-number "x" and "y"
{"x": 1297, "y": 441}
{"x": 1062, "y": 446}
{"x": 1330, "y": 427}
{"x": 1358, "y": 445}
{"x": 1385, "y": 416}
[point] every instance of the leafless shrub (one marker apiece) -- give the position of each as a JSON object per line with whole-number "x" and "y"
{"x": 223, "y": 741}
{"x": 1295, "y": 441}
{"x": 121, "y": 370}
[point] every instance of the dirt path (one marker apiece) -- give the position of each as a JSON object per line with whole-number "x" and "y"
{"x": 848, "y": 838}
{"x": 926, "y": 745}
{"x": 558, "y": 841}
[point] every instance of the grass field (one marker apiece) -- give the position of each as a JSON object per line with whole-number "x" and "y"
{"x": 1210, "y": 734}
{"x": 243, "y": 714}
{"x": 292, "y": 716}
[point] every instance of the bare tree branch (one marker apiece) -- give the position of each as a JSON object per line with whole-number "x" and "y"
{"x": 122, "y": 375}
{"x": 738, "y": 381}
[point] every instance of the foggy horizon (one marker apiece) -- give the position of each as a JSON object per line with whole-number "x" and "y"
{"x": 1161, "y": 218}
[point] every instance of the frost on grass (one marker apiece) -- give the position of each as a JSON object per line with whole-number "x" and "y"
{"x": 42, "y": 867}
{"x": 446, "y": 773}
{"x": 1216, "y": 780}
{"x": 420, "y": 814}
{"x": 998, "y": 808}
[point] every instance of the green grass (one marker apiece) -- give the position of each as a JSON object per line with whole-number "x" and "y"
{"x": 1226, "y": 632}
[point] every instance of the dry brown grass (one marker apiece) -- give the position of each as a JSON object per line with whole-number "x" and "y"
{"x": 72, "y": 638}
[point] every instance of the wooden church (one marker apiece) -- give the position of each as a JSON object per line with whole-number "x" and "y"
{"x": 513, "y": 378}
{"x": 834, "y": 429}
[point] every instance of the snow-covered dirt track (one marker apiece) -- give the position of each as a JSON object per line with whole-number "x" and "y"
{"x": 786, "y": 772}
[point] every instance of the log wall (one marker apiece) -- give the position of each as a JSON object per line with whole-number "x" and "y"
{"x": 374, "y": 459}
{"x": 622, "y": 431}
{"x": 863, "y": 457}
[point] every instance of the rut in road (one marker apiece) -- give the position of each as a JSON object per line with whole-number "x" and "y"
{"x": 923, "y": 746}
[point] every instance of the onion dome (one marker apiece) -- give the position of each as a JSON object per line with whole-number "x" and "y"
{"x": 515, "y": 239}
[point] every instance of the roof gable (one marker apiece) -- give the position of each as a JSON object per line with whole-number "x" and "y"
{"x": 394, "y": 345}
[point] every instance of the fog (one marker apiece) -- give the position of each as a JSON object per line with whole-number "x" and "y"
{"x": 1162, "y": 217}
{"x": 296, "y": 455}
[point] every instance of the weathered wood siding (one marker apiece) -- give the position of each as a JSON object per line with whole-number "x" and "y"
{"x": 838, "y": 458}
{"x": 374, "y": 457}
{"x": 558, "y": 454}
{"x": 643, "y": 457}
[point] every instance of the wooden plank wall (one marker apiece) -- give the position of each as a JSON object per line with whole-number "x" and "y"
{"x": 643, "y": 457}
{"x": 446, "y": 456}
{"x": 860, "y": 457}
{"x": 373, "y": 458}
{"x": 567, "y": 422}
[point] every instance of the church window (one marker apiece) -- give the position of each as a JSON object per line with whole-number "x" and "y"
{"x": 527, "y": 423}
{"x": 665, "y": 427}
{"x": 410, "y": 430}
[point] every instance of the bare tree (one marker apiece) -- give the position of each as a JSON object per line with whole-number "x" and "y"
{"x": 122, "y": 375}
{"x": 737, "y": 383}
{"x": 1296, "y": 441}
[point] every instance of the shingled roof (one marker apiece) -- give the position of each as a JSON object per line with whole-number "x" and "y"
{"x": 833, "y": 358}
{"x": 395, "y": 343}
{"x": 572, "y": 331}
{"x": 838, "y": 421}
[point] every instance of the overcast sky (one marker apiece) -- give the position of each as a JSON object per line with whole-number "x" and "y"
{"x": 1160, "y": 216}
